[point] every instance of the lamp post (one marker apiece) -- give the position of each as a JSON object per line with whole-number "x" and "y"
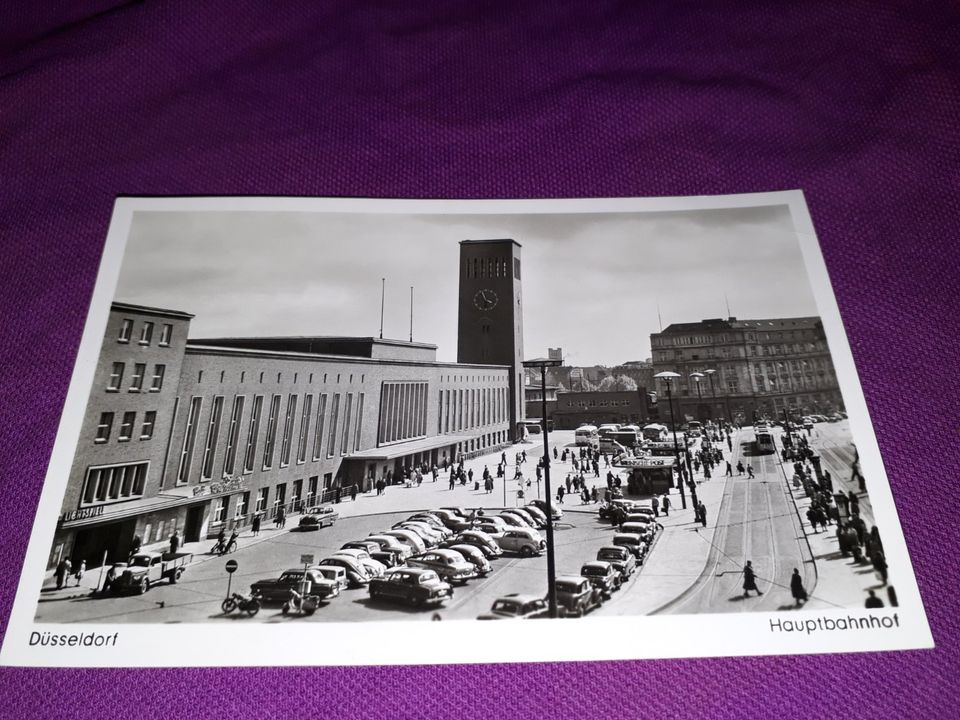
{"x": 543, "y": 364}
{"x": 697, "y": 377}
{"x": 713, "y": 392}
{"x": 668, "y": 377}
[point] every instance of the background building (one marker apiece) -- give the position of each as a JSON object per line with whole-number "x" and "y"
{"x": 576, "y": 408}
{"x": 761, "y": 368}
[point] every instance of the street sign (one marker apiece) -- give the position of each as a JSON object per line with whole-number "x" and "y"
{"x": 306, "y": 559}
{"x": 231, "y": 566}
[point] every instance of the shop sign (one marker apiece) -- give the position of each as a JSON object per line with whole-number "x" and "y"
{"x": 218, "y": 488}
{"x": 82, "y": 513}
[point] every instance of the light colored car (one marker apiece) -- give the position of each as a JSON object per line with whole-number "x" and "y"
{"x": 514, "y": 521}
{"x": 392, "y": 544}
{"x": 473, "y": 555}
{"x": 448, "y": 564}
{"x": 517, "y": 607}
{"x": 632, "y": 542}
{"x": 407, "y": 537}
{"x": 492, "y": 520}
{"x": 434, "y": 522}
{"x": 367, "y": 545}
{"x": 430, "y": 536}
{"x": 545, "y": 507}
{"x": 451, "y": 520}
{"x": 537, "y": 514}
{"x": 318, "y": 517}
{"x": 527, "y": 516}
{"x": 357, "y": 575}
{"x": 644, "y": 530}
{"x": 640, "y": 518}
{"x": 525, "y": 541}
{"x": 373, "y": 567}
{"x": 621, "y": 558}
{"x": 494, "y": 531}
{"x": 334, "y": 573}
{"x": 604, "y": 576}
{"x": 482, "y": 540}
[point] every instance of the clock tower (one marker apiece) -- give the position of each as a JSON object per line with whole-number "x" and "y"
{"x": 490, "y": 321}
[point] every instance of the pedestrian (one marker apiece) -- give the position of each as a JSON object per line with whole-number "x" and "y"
{"x": 873, "y": 602}
{"x": 655, "y": 504}
{"x": 750, "y": 471}
{"x": 80, "y": 570}
{"x": 560, "y": 495}
{"x": 63, "y": 570}
{"x": 337, "y": 496}
{"x": 813, "y": 518}
{"x": 174, "y": 542}
{"x": 569, "y": 483}
{"x": 749, "y": 580}
{"x": 135, "y": 545}
{"x": 729, "y": 469}
{"x": 880, "y": 565}
{"x": 279, "y": 519}
{"x": 523, "y": 455}
{"x": 452, "y": 480}
{"x": 702, "y": 511}
{"x": 353, "y": 489}
{"x": 594, "y": 497}
{"x": 666, "y": 505}
{"x": 554, "y": 452}
{"x": 255, "y": 525}
{"x": 739, "y": 467}
{"x": 797, "y": 589}
{"x": 108, "y": 580}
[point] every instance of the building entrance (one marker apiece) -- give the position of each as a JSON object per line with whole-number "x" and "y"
{"x": 91, "y": 543}
{"x": 191, "y": 529}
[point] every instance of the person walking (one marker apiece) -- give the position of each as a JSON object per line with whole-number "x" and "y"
{"x": 750, "y": 580}
{"x": 702, "y": 512}
{"x": 560, "y": 492}
{"x": 797, "y": 589}
{"x": 554, "y": 452}
{"x": 353, "y": 490}
{"x": 63, "y": 570}
{"x": 739, "y": 467}
{"x": 655, "y": 504}
{"x": 729, "y": 469}
{"x": 174, "y": 542}
{"x": 255, "y": 525}
{"x": 78, "y": 576}
{"x": 750, "y": 471}
{"x": 666, "y": 505}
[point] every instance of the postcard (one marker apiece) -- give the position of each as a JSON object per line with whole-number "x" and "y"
{"x": 354, "y": 431}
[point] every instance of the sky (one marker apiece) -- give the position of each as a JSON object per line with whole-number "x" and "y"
{"x": 592, "y": 283}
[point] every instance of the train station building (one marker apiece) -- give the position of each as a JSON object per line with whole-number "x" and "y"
{"x": 197, "y": 434}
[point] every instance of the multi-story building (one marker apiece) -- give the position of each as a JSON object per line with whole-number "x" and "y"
{"x": 555, "y": 354}
{"x": 202, "y": 434}
{"x": 751, "y": 368}
{"x": 573, "y": 409}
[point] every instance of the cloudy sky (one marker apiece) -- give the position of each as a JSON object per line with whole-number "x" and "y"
{"x": 591, "y": 285}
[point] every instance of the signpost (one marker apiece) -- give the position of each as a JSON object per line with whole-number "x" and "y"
{"x": 231, "y": 568}
{"x": 304, "y": 584}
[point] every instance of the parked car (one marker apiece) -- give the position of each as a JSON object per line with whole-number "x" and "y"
{"x": 434, "y": 522}
{"x": 407, "y": 537}
{"x": 148, "y": 568}
{"x": 546, "y": 507}
{"x": 499, "y": 522}
{"x": 620, "y": 557}
{"x": 604, "y": 576}
{"x": 278, "y": 590}
{"x": 644, "y": 529}
{"x": 493, "y": 530}
{"x": 527, "y": 517}
{"x": 473, "y": 555}
{"x": 336, "y": 574}
{"x": 458, "y": 511}
{"x": 632, "y": 542}
{"x": 517, "y": 607}
{"x": 514, "y": 521}
{"x": 367, "y": 545}
{"x": 451, "y": 520}
{"x": 318, "y": 517}
{"x": 524, "y": 541}
{"x": 448, "y": 564}
{"x": 357, "y": 575}
{"x": 386, "y": 558}
{"x": 640, "y": 518}
{"x": 373, "y": 568}
{"x": 414, "y": 586}
{"x": 480, "y": 539}
{"x": 536, "y": 513}
{"x": 576, "y": 595}
{"x": 390, "y": 543}
{"x": 431, "y": 538}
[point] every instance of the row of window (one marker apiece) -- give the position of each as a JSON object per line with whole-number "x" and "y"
{"x": 721, "y": 338}
{"x": 491, "y": 268}
{"x": 146, "y": 332}
{"x": 113, "y": 483}
{"x": 128, "y": 423}
{"x": 600, "y": 403}
{"x": 137, "y": 377}
{"x": 462, "y": 409}
{"x": 304, "y": 437}
{"x": 262, "y": 374}
{"x": 403, "y": 411}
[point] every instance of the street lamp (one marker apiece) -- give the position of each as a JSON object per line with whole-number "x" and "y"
{"x": 668, "y": 377}
{"x": 697, "y": 377}
{"x": 543, "y": 364}
{"x": 713, "y": 391}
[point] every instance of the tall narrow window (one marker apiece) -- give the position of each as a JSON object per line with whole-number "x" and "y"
{"x": 332, "y": 433}
{"x": 318, "y": 431}
{"x": 288, "y": 421}
{"x": 126, "y": 426}
{"x": 233, "y": 434}
{"x": 242, "y": 504}
{"x": 268, "y": 446}
{"x": 262, "y": 497}
{"x": 345, "y": 440}
{"x": 189, "y": 439}
{"x": 213, "y": 434}
{"x": 359, "y": 431}
{"x": 157, "y": 382}
{"x": 146, "y": 333}
{"x": 252, "y": 431}
{"x": 116, "y": 376}
{"x": 304, "y": 429}
{"x": 104, "y": 426}
{"x": 440, "y": 414}
{"x": 136, "y": 380}
{"x": 166, "y": 333}
{"x": 149, "y": 421}
{"x": 126, "y": 330}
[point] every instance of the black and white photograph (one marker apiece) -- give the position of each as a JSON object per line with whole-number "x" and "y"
{"x": 301, "y": 415}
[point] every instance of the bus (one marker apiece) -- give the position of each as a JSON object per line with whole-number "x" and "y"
{"x": 764, "y": 440}
{"x": 587, "y": 435}
{"x": 655, "y": 432}
{"x": 604, "y": 430}
{"x": 660, "y": 448}
{"x": 694, "y": 428}
{"x": 625, "y": 437}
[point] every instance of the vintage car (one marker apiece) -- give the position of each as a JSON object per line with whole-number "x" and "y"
{"x": 517, "y": 607}
{"x": 473, "y": 555}
{"x": 406, "y": 537}
{"x": 434, "y": 522}
{"x": 621, "y": 558}
{"x": 451, "y": 520}
{"x": 336, "y": 574}
{"x": 367, "y": 545}
{"x": 546, "y": 507}
{"x": 357, "y": 575}
{"x": 448, "y": 564}
{"x": 499, "y": 522}
{"x": 386, "y": 558}
{"x": 480, "y": 539}
{"x": 317, "y": 517}
{"x": 390, "y": 544}
{"x": 523, "y": 541}
{"x": 634, "y": 543}
{"x": 576, "y": 595}
{"x": 640, "y": 517}
{"x": 458, "y": 511}
{"x": 604, "y": 576}
{"x": 514, "y": 521}
{"x": 414, "y": 586}
{"x": 528, "y": 517}
{"x": 430, "y": 537}
{"x": 148, "y": 568}
{"x": 373, "y": 568}
{"x": 536, "y": 513}
{"x": 644, "y": 530}
{"x": 492, "y": 529}
{"x": 278, "y": 590}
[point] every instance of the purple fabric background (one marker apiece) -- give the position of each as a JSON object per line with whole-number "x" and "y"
{"x": 857, "y": 103}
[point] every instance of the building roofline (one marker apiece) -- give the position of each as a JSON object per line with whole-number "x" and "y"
{"x": 494, "y": 241}
{"x": 350, "y": 359}
{"x": 319, "y": 338}
{"x": 738, "y": 324}
{"x": 148, "y": 310}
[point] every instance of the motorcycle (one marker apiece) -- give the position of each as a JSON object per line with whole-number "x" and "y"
{"x": 249, "y": 604}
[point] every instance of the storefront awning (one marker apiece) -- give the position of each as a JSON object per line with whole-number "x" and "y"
{"x": 391, "y": 452}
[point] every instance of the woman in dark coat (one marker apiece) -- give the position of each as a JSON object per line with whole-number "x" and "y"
{"x": 796, "y": 587}
{"x": 749, "y": 580}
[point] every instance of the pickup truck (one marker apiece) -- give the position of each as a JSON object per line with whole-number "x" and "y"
{"x": 148, "y": 568}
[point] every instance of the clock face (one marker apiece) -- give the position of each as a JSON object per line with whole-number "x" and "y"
{"x": 485, "y": 300}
